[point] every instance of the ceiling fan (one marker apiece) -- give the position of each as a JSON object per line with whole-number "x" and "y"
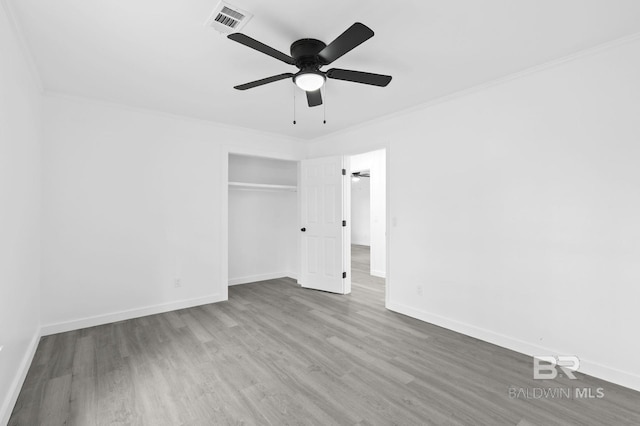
{"x": 309, "y": 55}
{"x": 355, "y": 176}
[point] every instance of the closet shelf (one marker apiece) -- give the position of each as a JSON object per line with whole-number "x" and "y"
{"x": 261, "y": 186}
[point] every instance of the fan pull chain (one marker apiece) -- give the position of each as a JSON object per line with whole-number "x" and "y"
{"x": 324, "y": 105}
{"x": 294, "y": 104}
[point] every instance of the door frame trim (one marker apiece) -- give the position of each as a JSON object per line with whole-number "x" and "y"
{"x": 386, "y": 147}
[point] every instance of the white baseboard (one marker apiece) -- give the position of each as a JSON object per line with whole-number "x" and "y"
{"x": 18, "y": 380}
{"x": 610, "y": 374}
{"x": 261, "y": 277}
{"x": 93, "y": 321}
{"x": 380, "y": 274}
{"x": 604, "y": 372}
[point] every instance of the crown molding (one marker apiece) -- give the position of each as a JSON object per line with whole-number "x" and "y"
{"x": 168, "y": 115}
{"x": 591, "y": 51}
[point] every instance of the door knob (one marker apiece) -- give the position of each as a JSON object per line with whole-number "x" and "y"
{"x": 303, "y": 229}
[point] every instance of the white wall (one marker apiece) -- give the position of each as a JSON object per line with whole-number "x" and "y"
{"x": 254, "y": 169}
{"x": 20, "y": 115}
{"x": 361, "y": 212}
{"x": 516, "y": 209}
{"x": 375, "y": 162}
{"x": 263, "y": 225}
{"x": 132, "y": 201}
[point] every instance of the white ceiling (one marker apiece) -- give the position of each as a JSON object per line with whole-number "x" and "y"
{"x": 157, "y": 54}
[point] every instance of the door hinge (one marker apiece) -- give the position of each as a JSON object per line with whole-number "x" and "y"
{"x": 344, "y": 275}
{"x": 344, "y": 172}
{"x": 344, "y": 223}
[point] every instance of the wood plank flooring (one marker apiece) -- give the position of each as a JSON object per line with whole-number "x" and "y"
{"x": 277, "y": 354}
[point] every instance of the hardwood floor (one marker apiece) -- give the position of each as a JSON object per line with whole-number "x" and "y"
{"x": 277, "y": 354}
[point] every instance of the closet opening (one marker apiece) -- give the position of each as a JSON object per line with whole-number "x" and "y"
{"x": 262, "y": 219}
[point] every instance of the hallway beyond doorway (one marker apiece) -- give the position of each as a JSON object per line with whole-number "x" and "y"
{"x": 365, "y": 286}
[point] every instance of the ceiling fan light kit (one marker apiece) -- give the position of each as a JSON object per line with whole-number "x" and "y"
{"x": 309, "y": 81}
{"x": 309, "y": 55}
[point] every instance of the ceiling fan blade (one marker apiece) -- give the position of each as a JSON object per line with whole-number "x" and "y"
{"x": 354, "y": 36}
{"x": 261, "y": 47}
{"x": 267, "y": 80}
{"x": 359, "y": 77}
{"x": 314, "y": 98}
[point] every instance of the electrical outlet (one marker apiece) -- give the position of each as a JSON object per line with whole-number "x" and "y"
{"x": 177, "y": 283}
{"x": 419, "y": 290}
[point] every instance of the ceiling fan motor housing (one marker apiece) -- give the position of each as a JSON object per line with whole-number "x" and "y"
{"x": 305, "y": 54}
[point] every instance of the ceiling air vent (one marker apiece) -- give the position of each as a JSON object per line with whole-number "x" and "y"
{"x": 227, "y": 18}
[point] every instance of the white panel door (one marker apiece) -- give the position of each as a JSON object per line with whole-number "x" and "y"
{"x": 326, "y": 243}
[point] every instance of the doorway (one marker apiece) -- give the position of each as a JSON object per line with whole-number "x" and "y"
{"x": 368, "y": 224}
{"x": 259, "y": 217}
